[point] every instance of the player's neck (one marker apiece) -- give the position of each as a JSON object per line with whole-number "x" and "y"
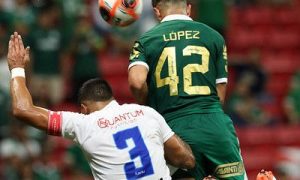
{"x": 174, "y": 11}
{"x": 97, "y": 106}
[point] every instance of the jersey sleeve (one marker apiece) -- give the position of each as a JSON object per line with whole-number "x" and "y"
{"x": 165, "y": 130}
{"x": 72, "y": 126}
{"x": 222, "y": 70}
{"x": 66, "y": 124}
{"x": 137, "y": 56}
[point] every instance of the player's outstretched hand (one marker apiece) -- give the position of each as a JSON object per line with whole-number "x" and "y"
{"x": 17, "y": 56}
{"x": 265, "y": 175}
{"x": 209, "y": 178}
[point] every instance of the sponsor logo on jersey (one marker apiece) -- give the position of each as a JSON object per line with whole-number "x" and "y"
{"x": 135, "y": 52}
{"x": 230, "y": 170}
{"x": 121, "y": 118}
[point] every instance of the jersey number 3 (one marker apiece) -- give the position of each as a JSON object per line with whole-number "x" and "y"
{"x": 138, "y": 151}
{"x": 169, "y": 53}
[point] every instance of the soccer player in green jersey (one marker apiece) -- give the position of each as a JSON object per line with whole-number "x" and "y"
{"x": 180, "y": 69}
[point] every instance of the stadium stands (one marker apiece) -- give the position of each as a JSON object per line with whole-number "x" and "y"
{"x": 114, "y": 70}
{"x": 261, "y": 146}
{"x": 276, "y": 32}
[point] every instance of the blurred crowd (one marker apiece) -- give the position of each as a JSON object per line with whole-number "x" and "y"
{"x": 69, "y": 40}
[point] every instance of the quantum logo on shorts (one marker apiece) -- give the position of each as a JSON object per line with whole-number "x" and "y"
{"x": 230, "y": 170}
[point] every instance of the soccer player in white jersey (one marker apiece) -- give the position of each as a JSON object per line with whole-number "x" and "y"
{"x": 120, "y": 141}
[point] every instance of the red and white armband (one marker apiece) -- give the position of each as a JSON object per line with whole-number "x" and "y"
{"x": 55, "y": 123}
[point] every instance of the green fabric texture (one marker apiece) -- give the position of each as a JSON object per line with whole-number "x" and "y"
{"x": 214, "y": 143}
{"x": 212, "y": 13}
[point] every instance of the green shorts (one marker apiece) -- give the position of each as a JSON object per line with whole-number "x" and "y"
{"x": 214, "y": 143}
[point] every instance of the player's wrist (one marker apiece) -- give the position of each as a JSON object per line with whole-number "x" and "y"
{"x": 17, "y": 72}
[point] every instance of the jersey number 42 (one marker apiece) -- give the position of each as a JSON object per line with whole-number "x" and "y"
{"x": 169, "y": 53}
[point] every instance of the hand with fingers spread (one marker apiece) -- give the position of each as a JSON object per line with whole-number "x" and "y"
{"x": 17, "y": 56}
{"x": 209, "y": 178}
{"x": 265, "y": 175}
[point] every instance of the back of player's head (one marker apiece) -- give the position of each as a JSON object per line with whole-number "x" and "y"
{"x": 95, "y": 90}
{"x": 156, "y": 2}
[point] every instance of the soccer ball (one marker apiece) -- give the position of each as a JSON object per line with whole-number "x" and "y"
{"x": 120, "y": 12}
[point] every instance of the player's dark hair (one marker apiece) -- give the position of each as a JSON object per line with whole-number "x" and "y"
{"x": 95, "y": 90}
{"x": 155, "y": 2}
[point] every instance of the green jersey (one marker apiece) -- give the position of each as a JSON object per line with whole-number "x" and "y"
{"x": 186, "y": 59}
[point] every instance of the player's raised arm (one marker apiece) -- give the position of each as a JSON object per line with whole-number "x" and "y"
{"x": 221, "y": 89}
{"x": 137, "y": 77}
{"x": 137, "y": 73}
{"x": 22, "y": 105}
{"x": 222, "y": 70}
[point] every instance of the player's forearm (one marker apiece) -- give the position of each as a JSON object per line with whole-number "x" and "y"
{"x": 137, "y": 78}
{"x": 140, "y": 94}
{"x": 188, "y": 159}
{"x": 221, "y": 89}
{"x": 22, "y": 105}
{"x": 180, "y": 154}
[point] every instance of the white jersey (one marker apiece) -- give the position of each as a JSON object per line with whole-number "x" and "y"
{"x": 119, "y": 141}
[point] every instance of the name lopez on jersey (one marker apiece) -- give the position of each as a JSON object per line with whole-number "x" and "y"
{"x": 128, "y": 117}
{"x": 175, "y": 36}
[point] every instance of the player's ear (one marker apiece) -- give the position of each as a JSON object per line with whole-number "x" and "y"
{"x": 157, "y": 13}
{"x": 189, "y": 9}
{"x": 84, "y": 109}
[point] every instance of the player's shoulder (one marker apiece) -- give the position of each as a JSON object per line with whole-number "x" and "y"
{"x": 67, "y": 117}
{"x": 75, "y": 115}
{"x": 209, "y": 31}
{"x": 149, "y": 34}
{"x": 204, "y": 28}
{"x": 136, "y": 106}
{"x": 142, "y": 108}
